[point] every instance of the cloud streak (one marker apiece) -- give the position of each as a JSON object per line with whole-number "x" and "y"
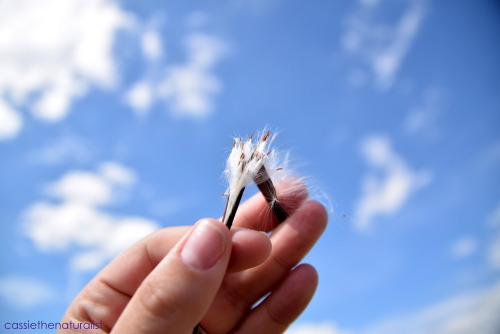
{"x": 472, "y": 312}
{"x": 389, "y": 184}
{"x": 11, "y": 122}
{"x": 493, "y": 221}
{"x": 68, "y": 148}
{"x": 463, "y": 247}
{"x": 188, "y": 88}
{"x": 376, "y": 47}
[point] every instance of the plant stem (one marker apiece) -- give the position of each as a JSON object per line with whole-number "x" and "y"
{"x": 232, "y": 213}
{"x": 266, "y": 187}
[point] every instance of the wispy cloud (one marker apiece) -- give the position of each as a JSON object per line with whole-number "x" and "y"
{"x": 11, "y": 122}
{"x": 23, "y": 292}
{"x": 423, "y": 118}
{"x": 463, "y": 247}
{"x": 493, "y": 219}
{"x": 472, "y": 312}
{"x": 377, "y": 47}
{"x": 493, "y": 222}
{"x": 141, "y": 96}
{"x": 494, "y": 253}
{"x": 151, "y": 43}
{"x": 188, "y": 88}
{"x": 69, "y": 148}
{"x": 78, "y": 220}
{"x": 388, "y": 185}
{"x": 52, "y": 53}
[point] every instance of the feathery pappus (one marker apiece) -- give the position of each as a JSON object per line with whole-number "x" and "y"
{"x": 247, "y": 161}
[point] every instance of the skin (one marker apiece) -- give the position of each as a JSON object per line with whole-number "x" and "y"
{"x": 152, "y": 288}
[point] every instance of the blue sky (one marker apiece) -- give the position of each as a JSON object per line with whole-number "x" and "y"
{"x": 116, "y": 118}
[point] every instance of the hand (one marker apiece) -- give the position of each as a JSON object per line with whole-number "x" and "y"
{"x": 176, "y": 277}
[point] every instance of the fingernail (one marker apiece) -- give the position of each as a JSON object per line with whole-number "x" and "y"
{"x": 204, "y": 247}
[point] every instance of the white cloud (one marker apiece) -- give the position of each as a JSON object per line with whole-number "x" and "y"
{"x": 377, "y": 46}
{"x": 25, "y": 292}
{"x": 140, "y": 97}
{"x": 82, "y": 187}
{"x": 188, "y": 89}
{"x": 53, "y": 51}
{"x": 47, "y": 68}
{"x": 152, "y": 47}
{"x": 10, "y": 121}
{"x": 92, "y": 188}
{"x": 78, "y": 221}
{"x": 116, "y": 236}
{"x": 388, "y": 186}
{"x": 57, "y": 226}
{"x": 465, "y": 313}
{"x": 116, "y": 174}
{"x": 424, "y": 117}
{"x": 463, "y": 247}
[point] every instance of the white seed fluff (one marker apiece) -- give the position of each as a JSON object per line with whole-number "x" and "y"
{"x": 244, "y": 163}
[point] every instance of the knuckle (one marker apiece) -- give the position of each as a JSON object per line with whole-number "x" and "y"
{"x": 156, "y": 301}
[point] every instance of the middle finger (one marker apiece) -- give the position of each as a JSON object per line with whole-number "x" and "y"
{"x": 291, "y": 241}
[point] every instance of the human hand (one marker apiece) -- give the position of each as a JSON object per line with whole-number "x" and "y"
{"x": 176, "y": 277}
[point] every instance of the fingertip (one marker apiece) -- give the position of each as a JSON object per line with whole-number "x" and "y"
{"x": 316, "y": 213}
{"x": 205, "y": 244}
{"x": 308, "y": 274}
{"x": 216, "y": 224}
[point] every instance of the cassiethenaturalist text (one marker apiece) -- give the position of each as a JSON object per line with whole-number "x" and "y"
{"x": 40, "y": 324}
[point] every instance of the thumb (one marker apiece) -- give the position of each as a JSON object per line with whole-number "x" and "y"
{"x": 179, "y": 291}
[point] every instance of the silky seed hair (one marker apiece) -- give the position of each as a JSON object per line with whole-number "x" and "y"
{"x": 253, "y": 159}
{"x": 246, "y": 162}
